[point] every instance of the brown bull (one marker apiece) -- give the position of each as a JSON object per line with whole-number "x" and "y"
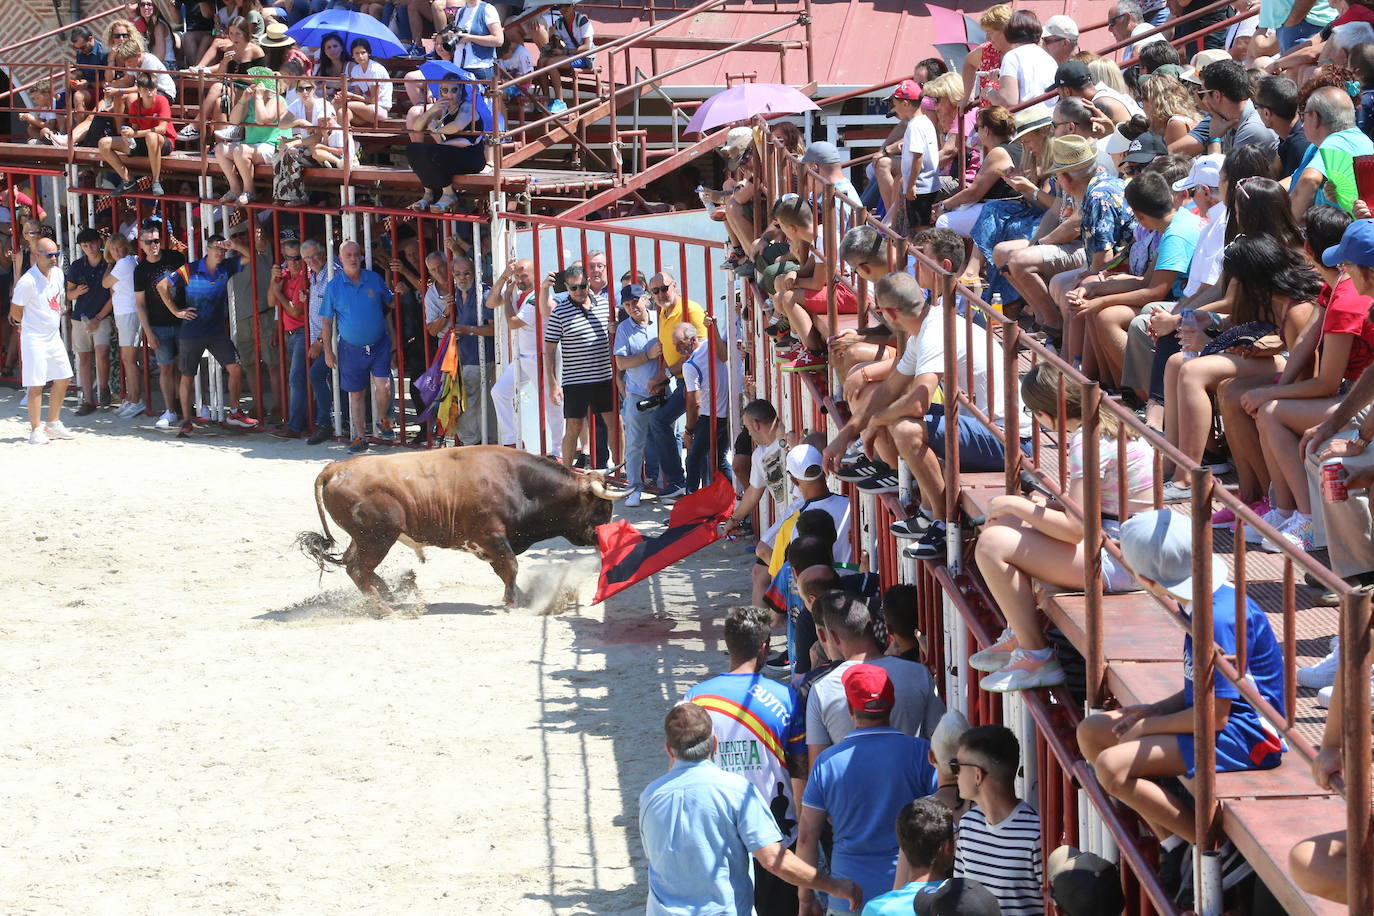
{"x": 491, "y": 501}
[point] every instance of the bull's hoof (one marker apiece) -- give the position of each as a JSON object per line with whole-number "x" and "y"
{"x": 378, "y": 611}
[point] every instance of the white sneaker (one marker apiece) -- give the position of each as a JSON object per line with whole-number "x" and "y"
{"x": 166, "y": 420}
{"x": 1024, "y": 672}
{"x": 24, "y": 398}
{"x": 130, "y": 409}
{"x": 1324, "y": 695}
{"x": 1275, "y": 518}
{"x": 38, "y": 436}
{"x": 632, "y": 501}
{"x": 673, "y": 494}
{"x": 1323, "y": 673}
{"x": 1297, "y": 532}
{"x": 996, "y": 656}
{"x": 58, "y": 431}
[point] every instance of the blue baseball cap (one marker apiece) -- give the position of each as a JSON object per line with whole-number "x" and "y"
{"x": 1158, "y": 545}
{"x": 1355, "y": 246}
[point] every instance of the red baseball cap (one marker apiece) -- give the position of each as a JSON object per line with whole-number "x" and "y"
{"x": 868, "y": 688}
{"x": 910, "y": 90}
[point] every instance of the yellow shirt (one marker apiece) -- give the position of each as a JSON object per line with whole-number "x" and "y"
{"x": 668, "y": 320}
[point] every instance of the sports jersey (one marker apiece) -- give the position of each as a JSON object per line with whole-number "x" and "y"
{"x": 760, "y": 735}
{"x": 207, "y": 293}
{"x": 836, "y": 505}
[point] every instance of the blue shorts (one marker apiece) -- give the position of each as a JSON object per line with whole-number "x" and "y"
{"x": 980, "y": 448}
{"x": 166, "y": 346}
{"x": 1242, "y": 745}
{"x": 357, "y": 363}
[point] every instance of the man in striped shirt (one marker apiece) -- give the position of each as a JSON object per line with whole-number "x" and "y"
{"x": 577, "y": 328}
{"x": 998, "y": 840}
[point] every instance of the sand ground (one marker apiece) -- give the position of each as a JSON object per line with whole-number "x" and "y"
{"x": 193, "y": 724}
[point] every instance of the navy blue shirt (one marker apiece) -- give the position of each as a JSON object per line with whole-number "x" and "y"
{"x": 81, "y": 272}
{"x": 207, "y": 293}
{"x": 471, "y": 309}
{"x": 86, "y": 60}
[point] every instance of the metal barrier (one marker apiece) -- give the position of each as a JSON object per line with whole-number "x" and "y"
{"x": 965, "y": 614}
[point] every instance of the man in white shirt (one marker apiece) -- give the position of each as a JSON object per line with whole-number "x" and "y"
{"x": 1126, "y": 20}
{"x": 36, "y": 309}
{"x": 513, "y": 294}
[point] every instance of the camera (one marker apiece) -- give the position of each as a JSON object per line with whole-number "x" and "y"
{"x": 652, "y": 402}
{"x": 560, "y": 281}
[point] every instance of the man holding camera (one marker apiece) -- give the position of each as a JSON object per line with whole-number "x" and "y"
{"x": 577, "y": 325}
{"x": 637, "y": 349}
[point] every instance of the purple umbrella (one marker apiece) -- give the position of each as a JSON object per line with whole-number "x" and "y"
{"x": 742, "y": 102}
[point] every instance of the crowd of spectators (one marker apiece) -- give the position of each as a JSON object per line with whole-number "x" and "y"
{"x": 225, "y": 79}
{"x": 1194, "y": 234}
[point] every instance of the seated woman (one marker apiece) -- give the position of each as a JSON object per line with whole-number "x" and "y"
{"x": 801, "y": 292}
{"x": 1170, "y": 109}
{"x": 158, "y": 35}
{"x": 1002, "y": 157}
{"x": 261, "y": 114}
{"x": 1027, "y": 69}
{"x": 369, "y": 88}
{"x": 1028, "y": 539}
{"x": 940, "y": 98}
{"x": 1273, "y": 297}
{"x": 315, "y": 124}
{"x": 233, "y": 54}
{"x": 566, "y": 37}
{"x": 331, "y": 63}
{"x": 148, "y": 132}
{"x": 453, "y": 112}
{"x": 1340, "y": 337}
{"x": 1003, "y": 226}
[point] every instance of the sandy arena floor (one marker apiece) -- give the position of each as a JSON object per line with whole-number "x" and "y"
{"x": 194, "y": 725}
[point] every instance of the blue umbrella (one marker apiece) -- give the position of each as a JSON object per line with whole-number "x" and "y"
{"x": 440, "y": 70}
{"x": 311, "y": 31}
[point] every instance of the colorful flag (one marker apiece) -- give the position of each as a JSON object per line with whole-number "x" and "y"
{"x": 627, "y": 556}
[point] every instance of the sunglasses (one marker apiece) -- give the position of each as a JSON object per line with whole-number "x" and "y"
{"x": 151, "y": 243}
{"x": 956, "y": 765}
{"x": 571, "y": 286}
{"x": 45, "y": 254}
{"x": 119, "y": 34}
{"x": 291, "y": 257}
{"x": 658, "y": 290}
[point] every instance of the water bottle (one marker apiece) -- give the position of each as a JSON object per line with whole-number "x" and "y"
{"x": 996, "y": 303}
{"x": 1187, "y": 316}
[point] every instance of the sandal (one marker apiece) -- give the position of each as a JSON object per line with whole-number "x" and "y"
{"x": 445, "y": 203}
{"x": 423, "y": 203}
{"x": 245, "y": 199}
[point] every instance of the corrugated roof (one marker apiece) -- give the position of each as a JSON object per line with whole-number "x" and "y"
{"x": 856, "y": 42}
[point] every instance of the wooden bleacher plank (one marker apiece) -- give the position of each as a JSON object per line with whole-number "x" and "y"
{"x": 1265, "y": 829}
{"x": 1135, "y": 628}
{"x": 1144, "y": 682}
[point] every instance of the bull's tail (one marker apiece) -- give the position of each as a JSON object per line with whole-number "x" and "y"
{"x": 318, "y": 547}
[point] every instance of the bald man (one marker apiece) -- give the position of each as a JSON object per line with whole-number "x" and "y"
{"x": 356, "y": 300}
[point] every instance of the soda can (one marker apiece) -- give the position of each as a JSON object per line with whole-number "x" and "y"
{"x": 1333, "y": 481}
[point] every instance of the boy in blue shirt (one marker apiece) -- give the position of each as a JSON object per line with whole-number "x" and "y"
{"x": 925, "y": 831}
{"x": 1100, "y": 310}
{"x": 1136, "y": 745}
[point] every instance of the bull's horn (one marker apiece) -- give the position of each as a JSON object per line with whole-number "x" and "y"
{"x": 598, "y": 484}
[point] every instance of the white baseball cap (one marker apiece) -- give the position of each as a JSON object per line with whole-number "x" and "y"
{"x": 1206, "y": 173}
{"x": 1061, "y": 27}
{"x": 804, "y": 462}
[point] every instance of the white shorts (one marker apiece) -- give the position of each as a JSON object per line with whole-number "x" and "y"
{"x": 84, "y": 341}
{"x": 128, "y": 328}
{"x": 45, "y": 360}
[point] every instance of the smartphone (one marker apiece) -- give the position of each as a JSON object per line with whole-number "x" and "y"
{"x": 560, "y": 282}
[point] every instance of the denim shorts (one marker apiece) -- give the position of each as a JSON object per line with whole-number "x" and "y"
{"x": 980, "y": 448}
{"x": 357, "y": 363}
{"x": 166, "y": 345}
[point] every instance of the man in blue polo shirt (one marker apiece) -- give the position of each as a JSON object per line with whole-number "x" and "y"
{"x": 860, "y": 785}
{"x": 356, "y": 299}
{"x": 760, "y": 734}
{"x": 204, "y": 287}
{"x": 700, "y": 825}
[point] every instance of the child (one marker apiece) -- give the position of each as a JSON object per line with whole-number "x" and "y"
{"x": 801, "y": 293}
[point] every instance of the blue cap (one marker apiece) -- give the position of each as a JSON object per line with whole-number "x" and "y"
{"x": 631, "y": 291}
{"x": 1158, "y": 545}
{"x": 1356, "y": 246}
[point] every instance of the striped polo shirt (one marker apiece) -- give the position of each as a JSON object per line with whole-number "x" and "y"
{"x": 582, "y": 339}
{"x": 1004, "y": 858}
